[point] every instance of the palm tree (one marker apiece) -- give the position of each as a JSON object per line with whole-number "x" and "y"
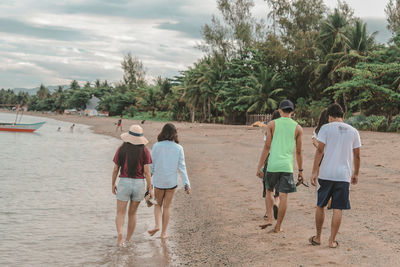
{"x": 334, "y": 34}
{"x": 150, "y": 99}
{"x": 43, "y": 92}
{"x": 359, "y": 40}
{"x": 74, "y": 85}
{"x": 264, "y": 96}
{"x": 192, "y": 91}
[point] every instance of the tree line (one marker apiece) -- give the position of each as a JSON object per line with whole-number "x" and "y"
{"x": 304, "y": 52}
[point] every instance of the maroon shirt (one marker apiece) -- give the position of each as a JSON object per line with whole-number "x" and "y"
{"x": 145, "y": 158}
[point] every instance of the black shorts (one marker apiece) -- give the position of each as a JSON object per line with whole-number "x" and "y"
{"x": 283, "y": 181}
{"x": 167, "y": 188}
{"x": 339, "y": 191}
{"x": 264, "y": 180}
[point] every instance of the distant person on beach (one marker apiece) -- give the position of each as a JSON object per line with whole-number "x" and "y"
{"x": 168, "y": 159}
{"x": 59, "y": 129}
{"x": 119, "y": 124}
{"x": 275, "y": 115}
{"x": 339, "y": 144}
{"x": 72, "y": 127}
{"x": 132, "y": 160}
{"x": 283, "y": 136}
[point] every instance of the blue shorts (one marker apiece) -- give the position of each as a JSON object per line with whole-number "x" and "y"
{"x": 131, "y": 189}
{"x": 339, "y": 191}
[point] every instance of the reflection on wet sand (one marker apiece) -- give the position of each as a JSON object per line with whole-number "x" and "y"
{"x": 143, "y": 252}
{"x": 57, "y": 208}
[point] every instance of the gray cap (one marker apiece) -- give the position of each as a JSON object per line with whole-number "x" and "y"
{"x": 285, "y": 104}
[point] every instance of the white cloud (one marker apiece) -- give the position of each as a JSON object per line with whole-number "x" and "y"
{"x": 56, "y": 41}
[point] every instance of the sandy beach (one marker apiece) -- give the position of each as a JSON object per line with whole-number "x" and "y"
{"x": 217, "y": 225}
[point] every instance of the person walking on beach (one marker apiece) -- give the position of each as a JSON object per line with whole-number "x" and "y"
{"x": 340, "y": 144}
{"x": 275, "y": 115}
{"x": 168, "y": 158}
{"x": 284, "y": 135}
{"x": 119, "y": 124}
{"x": 132, "y": 160}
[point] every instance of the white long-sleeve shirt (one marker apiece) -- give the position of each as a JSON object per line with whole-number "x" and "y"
{"x": 168, "y": 158}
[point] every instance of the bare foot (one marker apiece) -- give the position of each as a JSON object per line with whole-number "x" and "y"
{"x": 276, "y": 230}
{"x": 153, "y": 231}
{"x": 120, "y": 237}
{"x": 164, "y": 236}
{"x": 263, "y": 226}
{"x": 333, "y": 244}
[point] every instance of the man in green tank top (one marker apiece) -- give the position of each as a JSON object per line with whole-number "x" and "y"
{"x": 284, "y": 135}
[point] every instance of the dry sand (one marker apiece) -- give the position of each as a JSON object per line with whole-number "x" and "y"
{"x": 218, "y": 223}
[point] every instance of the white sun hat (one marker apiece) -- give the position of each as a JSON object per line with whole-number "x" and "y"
{"x": 134, "y": 136}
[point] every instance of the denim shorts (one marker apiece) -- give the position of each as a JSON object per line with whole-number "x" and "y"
{"x": 338, "y": 191}
{"x": 131, "y": 189}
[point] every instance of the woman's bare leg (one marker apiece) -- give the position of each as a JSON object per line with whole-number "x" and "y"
{"x": 133, "y": 206}
{"x": 119, "y": 220}
{"x": 169, "y": 194}
{"x": 159, "y": 195}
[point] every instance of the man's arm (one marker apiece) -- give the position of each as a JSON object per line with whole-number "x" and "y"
{"x": 317, "y": 160}
{"x": 357, "y": 161}
{"x": 114, "y": 178}
{"x": 266, "y": 149}
{"x": 299, "y": 152}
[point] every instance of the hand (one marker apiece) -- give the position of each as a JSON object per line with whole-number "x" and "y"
{"x": 314, "y": 179}
{"x": 187, "y": 189}
{"x": 151, "y": 192}
{"x": 300, "y": 177}
{"x": 354, "y": 179}
{"x": 114, "y": 189}
{"x": 260, "y": 174}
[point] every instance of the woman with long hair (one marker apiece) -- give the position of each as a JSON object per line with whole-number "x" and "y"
{"x": 132, "y": 160}
{"x": 323, "y": 119}
{"x": 168, "y": 159}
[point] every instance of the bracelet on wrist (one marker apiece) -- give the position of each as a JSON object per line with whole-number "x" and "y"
{"x": 300, "y": 170}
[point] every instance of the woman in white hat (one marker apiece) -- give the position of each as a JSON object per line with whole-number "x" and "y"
{"x": 132, "y": 160}
{"x": 168, "y": 159}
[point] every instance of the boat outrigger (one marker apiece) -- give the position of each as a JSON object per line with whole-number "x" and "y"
{"x": 20, "y": 127}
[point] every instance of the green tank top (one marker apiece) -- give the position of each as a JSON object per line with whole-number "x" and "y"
{"x": 282, "y": 147}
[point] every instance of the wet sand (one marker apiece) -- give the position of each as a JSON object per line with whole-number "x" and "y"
{"x": 217, "y": 225}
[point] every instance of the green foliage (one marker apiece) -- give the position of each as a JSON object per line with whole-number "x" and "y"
{"x": 147, "y": 115}
{"x": 395, "y": 125}
{"x": 302, "y": 108}
{"x": 78, "y": 98}
{"x": 302, "y": 122}
{"x": 310, "y": 55}
{"x": 117, "y": 102}
{"x": 370, "y": 123}
{"x": 317, "y": 106}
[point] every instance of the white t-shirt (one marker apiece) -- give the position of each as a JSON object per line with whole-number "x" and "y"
{"x": 340, "y": 139}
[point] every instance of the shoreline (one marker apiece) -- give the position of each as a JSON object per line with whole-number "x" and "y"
{"x": 218, "y": 223}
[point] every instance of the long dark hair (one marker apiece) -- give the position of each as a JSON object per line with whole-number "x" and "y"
{"x": 323, "y": 119}
{"x": 169, "y": 133}
{"x": 132, "y": 154}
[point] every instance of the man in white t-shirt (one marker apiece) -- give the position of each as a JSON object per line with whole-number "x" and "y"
{"x": 338, "y": 147}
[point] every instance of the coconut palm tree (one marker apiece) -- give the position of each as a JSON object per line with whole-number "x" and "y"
{"x": 265, "y": 95}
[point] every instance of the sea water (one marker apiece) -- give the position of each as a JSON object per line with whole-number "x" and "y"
{"x": 56, "y": 204}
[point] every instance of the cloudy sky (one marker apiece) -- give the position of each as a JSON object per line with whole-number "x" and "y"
{"x": 54, "y": 42}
